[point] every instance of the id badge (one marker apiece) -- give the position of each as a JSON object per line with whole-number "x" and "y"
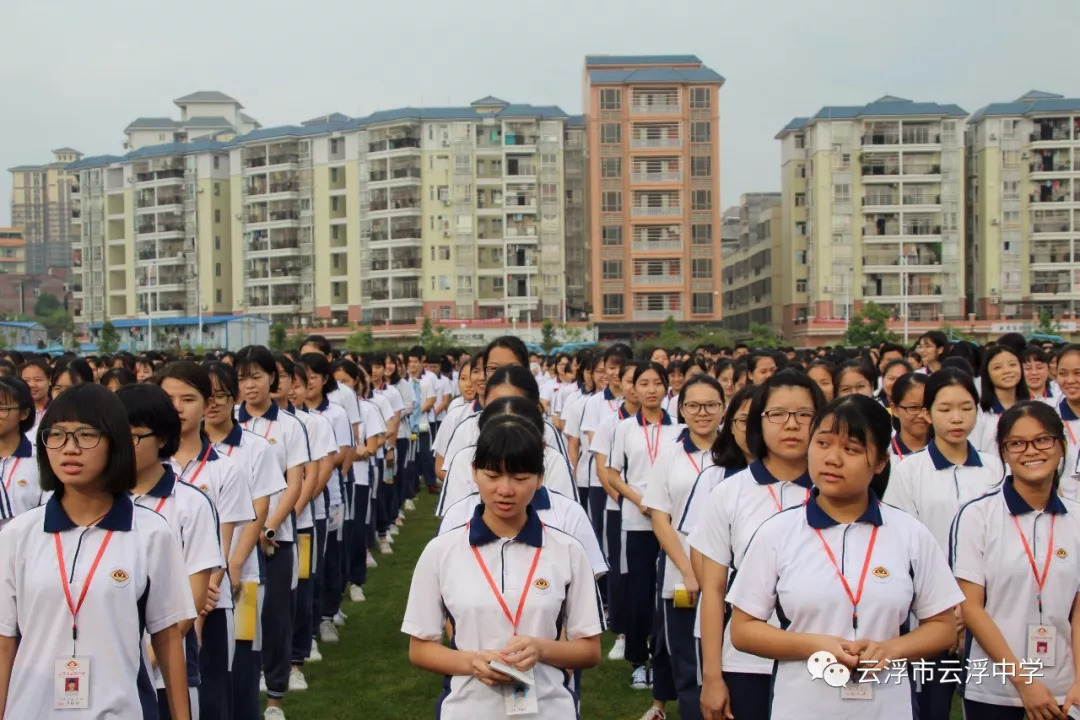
{"x": 1041, "y": 642}
{"x": 519, "y": 698}
{"x": 857, "y": 691}
{"x": 71, "y": 683}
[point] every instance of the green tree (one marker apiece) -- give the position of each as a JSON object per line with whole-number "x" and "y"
{"x": 434, "y": 339}
{"x": 58, "y": 322}
{"x": 361, "y": 341}
{"x": 1047, "y": 325}
{"x": 46, "y": 305}
{"x": 703, "y": 335}
{"x": 547, "y": 335}
{"x": 571, "y": 334}
{"x": 109, "y": 339}
{"x": 868, "y": 326}
{"x": 278, "y": 337}
{"x": 669, "y": 333}
{"x": 427, "y": 334}
{"x": 762, "y": 336}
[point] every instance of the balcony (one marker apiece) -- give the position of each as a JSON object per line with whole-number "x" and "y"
{"x": 658, "y": 279}
{"x": 273, "y": 216}
{"x": 922, "y": 199}
{"x": 647, "y": 211}
{"x": 512, "y": 138}
{"x": 1051, "y": 130}
{"x": 649, "y": 143}
{"x": 922, "y": 169}
{"x": 392, "y": 144}
{"x": 880, "y": 199}
{"x": 656, "y": 245}
{"x": 657, "y": 314}
{"x": 656, "y": 177}
{"x": 286, "y": 159}
{"x": 159, "y": 176}
{"x": 657, "y": 109}
{"x": 880, "y": 170}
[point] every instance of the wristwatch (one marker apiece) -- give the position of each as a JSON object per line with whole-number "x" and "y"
{"x": 269, "y": 533}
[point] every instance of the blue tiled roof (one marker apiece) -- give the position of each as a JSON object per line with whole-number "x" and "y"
{"x": 575, "y": 121}
{"x": 1052, "y": 104}
{"x": 22, "y": 325}
{"x": 641, "y": 59}
{"x": 329, "y": 118}
{"x": 180, "y": 322}
{"x": 95, "y": 161}
{"x": 888, "y": 106}
{"x": 796, "y": 124}
{"x": 187, "y": 148}
{"x": 646, "y": 75}
{"x": 206, "y": 96}
{"x": 488, "y": 101}
{"x": 151, "y": 123}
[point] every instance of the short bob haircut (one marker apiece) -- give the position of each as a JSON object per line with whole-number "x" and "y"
{"x": 256, "y": 357}
{"x": 148, "y": 406}
{"x": 77, "y": 369}
{"x": 92, "y": 405}
{"x": 318, "y": 341}
{"x": 725, "y": 451}
{"x": 510, "y": 443}
{"x": 864, "y": 420}
{"x": 13, "y": 391}
{"x": 946, "y": 377}
{"x": 188, "y": 372}
{"x": 787, "y": 378}
{"x": 989, "y": 392}
{"x": 120, "y": 375}
{"x": 512, "y": 343}
{"x": 518, "y": 376}
{"x": 225, "y": 375}
{"x": 904, "y": 384}
{"x": 656, "y": 367}
{"x": 1041, "y": 413}
{"x": 856, "y": 366}
{"x": 319, "y": 365}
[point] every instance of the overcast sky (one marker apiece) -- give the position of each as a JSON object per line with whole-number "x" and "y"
{"x": 75, "y": 73}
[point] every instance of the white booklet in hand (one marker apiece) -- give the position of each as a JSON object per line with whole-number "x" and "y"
{"x": 522, "y": 676}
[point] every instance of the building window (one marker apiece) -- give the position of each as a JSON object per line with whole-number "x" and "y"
{"x": 612, "y": 235}
{"x": 700, "y": 98}
{"x": 611, "y": 201}
{"x": 800, "y": 286}
{"x": 701, "y": 200}
{"x": 800, "y": 228}
{"x": 444, "y": 252}
{"x": 842, "y": 193}
{"x": 217, "y": 242}
{"x": 217, "y": 162}
{"x": 701, "y": 234}
{"x": 611, "y": 133}
{"x": 701, "y": 268}
{"x": 613, "y": 304}
{"x": 702, "y": 304}
{"x": 217, "y": 269}
{"x": 800, "y": 142}
{"x": 700, "y": 132}
{"x": 611, "y": 167}
{"x": 612, "y": 270}
{"x": 217, "y": 189}
{"x": 800, "y": 257}
{"x": 219, "y": 294}
{"x": 217, "y": 216}
{"x": 800, "y": 199}
{"x": 610, "y": 99}
{"x": 701, "y": 166}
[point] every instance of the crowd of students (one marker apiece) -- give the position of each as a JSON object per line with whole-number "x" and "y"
{"x": 768, "y": 533}
{"x": 177, "y": 534}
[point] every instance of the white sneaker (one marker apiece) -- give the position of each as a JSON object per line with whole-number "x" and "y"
{"x": 327, "y": 632}
{"x": 356, "y": 593}
{"x": 390, "y": 538}
{"x": 262, "y": 683}
{"x": 314, "y": 656}
{"x": 410, "y": 505}
{"x": 618, "y": 650}
{"x": 339, "y": 619}
{"x": 639, "y": 680}
{"x": 400, "y": 516}
{"x": 274, "y": 713}
{"x": 394, "y": 530}
{"x": 384, "y": 546}
{"x": 297, "y": 681}
{"x": 371, "y": 561}
{"x": 654, "y": 713}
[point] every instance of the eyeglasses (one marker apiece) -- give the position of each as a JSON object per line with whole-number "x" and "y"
{"x": 5, "y": 410}
{"x": 490, "y": 369}
{"x": 741, "y": 420}
{"x": 780, "y": 417}
{"x": 696, "y": 408}
{"x": 85, "y": 438}
{"x": 136, "y": 438}
{"x": 910, "y": 409}
{"x": 221, "y": 398}
{"x": 855, "y": 389}
{"x": 1019, "y": 447}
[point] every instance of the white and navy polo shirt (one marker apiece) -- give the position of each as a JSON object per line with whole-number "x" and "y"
{"x": 257, "y": 464}
{"x": 468, "y": 431}
{"x": 453, "y": 418}
{"x": 602, "y": 440}
{"x": 20, "y": 486}
{"x": 598, "y": 407}
{"x": 794, "y": 578}
{"x": 448, "y": 585}
{"x": 1070, "y": 485}
{"x": 630, "y": 457}
{"x": 460, "y": 481}
{"x": 341, "y": 437}
{"x": 929, "y": 487}
{"x": 393, "y": 398}
{"x": 141, "y": 584}
{"x": 567, "y": 391}
{"x": 572, "y": 411}
{"x": 555, "y": 510}
{"x": 984, "y": 436}
{"x": 680, "y": 463}
{"x": 671, "y": 404}
{"x": 321, "y": 444}
{"x": 898, "y": 451}
{"x": 732, "y": 514}
{"x": 408, "y": 401}
{"x": 288, "y": 439}
{"x": 986, "y": 549}
{"x": 698, "y": 496}
{"x": 444, "y": 388}
{"x": 345, "y": 398}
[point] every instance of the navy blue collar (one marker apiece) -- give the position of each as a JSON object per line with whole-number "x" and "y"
{"x": 623, "y": 412}
{"x": 1065, "y": 411}
{"x": 688, "y": 443}
{"x": 542, "y": 499}
{"x": 24, "y": 449}
{"x": 729, "y": 471}
{"x": 819, "y": 519}
{"x": 476, "y": 406}
{"x": 996, "y": 407}
{"x": 165, "y": 485}
{"x": 943, "y": 463}
{"x": 271, "y": 413}
{"x": 234, "y": 437}
{"x": 608, "y": 395}
{"x": 665, "y": 419}
{"x": 119, "y": 517}
{"x": 321, "y": 407}
{"x": 1019, "y": 506}
{"x": 480, "y": 534}
{"x": 764, "y": 477}
{"x": 901, "y": 448}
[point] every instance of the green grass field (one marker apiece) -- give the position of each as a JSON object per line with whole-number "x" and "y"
{"x": 368, "y": 673}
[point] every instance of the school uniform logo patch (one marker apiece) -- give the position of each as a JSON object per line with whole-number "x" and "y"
{"x": 120, "y": 577}
{"x": 541, "y": 585}
{"x": 1061, "y": 554}
{"x": 272, "y": 441}
{"x": 205, "y": 488}
{"x": 881, "y": 573}
{"x": 21, "y": 483}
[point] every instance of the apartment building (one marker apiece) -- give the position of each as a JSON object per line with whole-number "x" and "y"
{"x": 12, "y": 251}
{"x": 654, "y": 189}
{"x": 41, "y": 205}
{"x": 578, "y": 272}
{"x": 1023, "y": 208}
{"x": 752, "y": 273}
{"x": 204, "y": 115}
{"x": 876, "y": 192}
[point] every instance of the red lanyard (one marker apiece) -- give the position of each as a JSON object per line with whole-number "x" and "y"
{"x": 160, "y": 504}
{"x": 228, "y": 453}
{"x": 73, "y": 607}
{"x": 896, "y": 448}
{"x": 856, "y": 596}
{"x": 514, "y": 619}
{"x": 776, "y": 500}
{"x": 690, "y": 457}
{"x": 1040, "y": 580}
{"x": 1068, "y": 429}
{"x": 7, "y": 483}
{"x": 269, "y": 424}
{"x": 652, "y": 448}
{"x": 199, "y": 468}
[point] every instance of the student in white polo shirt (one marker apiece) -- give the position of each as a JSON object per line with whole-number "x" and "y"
{"x": 340, "y": 396}
{"x": 675, "y": 668}
{"x": 777, "y": 434}
{"x": 843, "y": 573}
{"x": 254, "y": 459}
{"x": 155, "y": 431}
{"x": 88, "y": 641}
{"x": 472, "y": 402}
{"x": 1015, "y": 553}
{"x": 590, "y": 491}
{"x": 1002, "y": 387}
{"x": 635, "y": 448}
{"x": 907, "y": 409}
{"x": 515, "y": 591}
{"x": 1068, "y": 407}
{"x": 1036, "y": 362}
{"x": 258, "y": 377}
{"x": 19, "y": 487}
